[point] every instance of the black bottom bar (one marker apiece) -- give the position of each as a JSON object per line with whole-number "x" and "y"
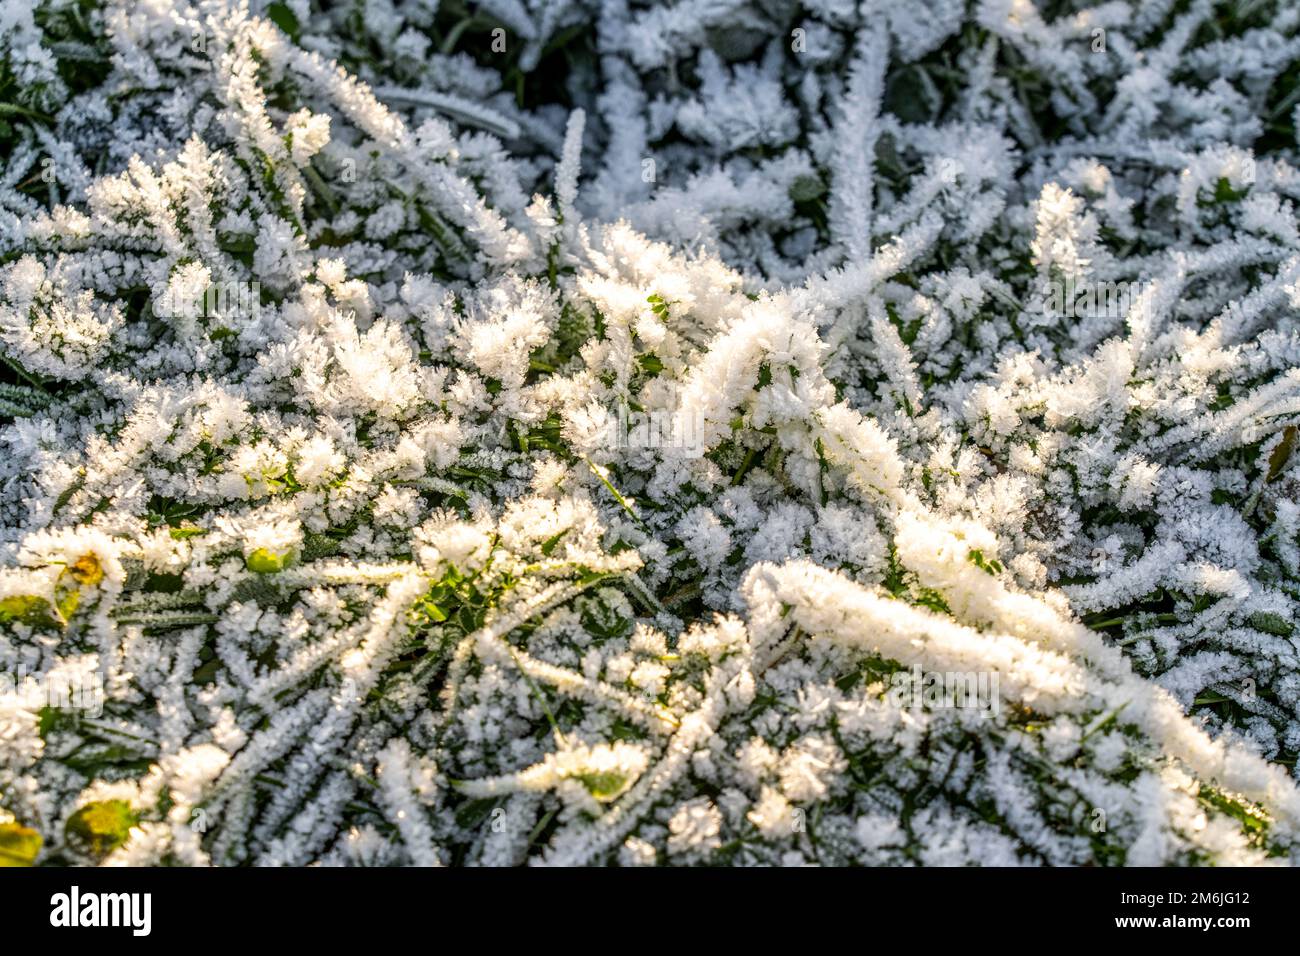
{"x": 597, "y": 908}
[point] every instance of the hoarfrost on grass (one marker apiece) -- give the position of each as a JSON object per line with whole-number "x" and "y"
{"x": 578, "y": 433}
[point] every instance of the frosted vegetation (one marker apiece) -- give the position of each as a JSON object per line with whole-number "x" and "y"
{"x": 575, "y": 432}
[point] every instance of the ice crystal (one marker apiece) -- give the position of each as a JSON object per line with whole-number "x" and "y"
{"x": 649, "y": 433}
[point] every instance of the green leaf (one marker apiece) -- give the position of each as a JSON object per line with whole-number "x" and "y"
{"x": 13, "y": 109}
{"x": 604, "y": 786}
{"x": 976, "y": 557}
{"x": 474, "y": 812}
{"x": 807, "y": 188}
{"x": 1224, "y": 191}
{"x": 549, "y": 544}
{"x": 28, "y": 608}
{"x": 1282, "y": 453}
{"x": 1271, "y": 623}
{"x": 658, "y": 305}
{"x": 67, "y": 599}
{"x": 264, "y": 561}
{"x": 429, "y": 607}
{"x": 47, "y": 720}
{"x": 284, "y": 18}
{"x": 100, "y": 828}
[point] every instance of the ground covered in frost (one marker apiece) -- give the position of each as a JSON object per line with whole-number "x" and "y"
{"x": 607, "y": 432}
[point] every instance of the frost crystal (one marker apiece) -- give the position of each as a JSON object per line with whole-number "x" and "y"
{"x": 649, "y": 433}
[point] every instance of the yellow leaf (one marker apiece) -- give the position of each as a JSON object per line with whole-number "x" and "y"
{"x": 19, "y": 845}
{"x": 87, "y": 570}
